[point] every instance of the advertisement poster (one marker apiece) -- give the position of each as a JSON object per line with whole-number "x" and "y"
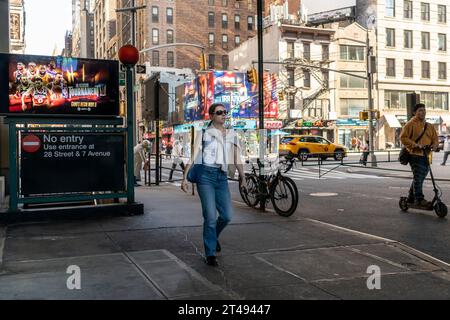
{"x": 270, "y": 97}
{"x": 192, "y": 111}
{"x": 72, "y": 162}
{"x": 58, "y": 85}
{"x": 231, "y": 90}
{"x": 206, "y": 92}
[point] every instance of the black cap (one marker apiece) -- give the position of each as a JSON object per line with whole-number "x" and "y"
{"x": 417, "y": 106}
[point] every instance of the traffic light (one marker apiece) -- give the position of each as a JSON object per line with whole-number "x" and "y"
{"x": 252, "y": 76}
{"x": 202, "y": 61}
{"x": 363, "y": 115}
{"x": 280, "y": 96}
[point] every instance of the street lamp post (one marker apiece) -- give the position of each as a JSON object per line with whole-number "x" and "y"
{"x": 262, "y": 135}
{"x": 370, "y": 72}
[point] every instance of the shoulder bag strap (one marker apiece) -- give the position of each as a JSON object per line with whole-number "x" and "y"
{"x": 203, "y": 143}
{"x": 423, "y": 132}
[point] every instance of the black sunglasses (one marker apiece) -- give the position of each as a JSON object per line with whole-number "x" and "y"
{"x": 221, "y": 112}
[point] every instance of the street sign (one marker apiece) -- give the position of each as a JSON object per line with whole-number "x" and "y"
{"x": 121, "y": 78}
{"x": 31, "y": 143}
{"x": 140, "y": 68}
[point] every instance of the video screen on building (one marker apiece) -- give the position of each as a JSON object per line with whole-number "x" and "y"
{"x": 32, "y": 85}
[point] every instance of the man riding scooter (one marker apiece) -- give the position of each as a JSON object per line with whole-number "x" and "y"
{"x": 416, "y": 135}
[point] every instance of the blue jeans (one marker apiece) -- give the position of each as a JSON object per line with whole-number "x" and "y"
{"x": 420, "y": 169}
{"x": 214, "y": 195}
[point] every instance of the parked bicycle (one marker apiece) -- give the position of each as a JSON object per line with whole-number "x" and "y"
{"x": 280, "y": 190}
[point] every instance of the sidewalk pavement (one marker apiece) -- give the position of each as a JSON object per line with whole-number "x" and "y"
{"x": 159, "y": 255}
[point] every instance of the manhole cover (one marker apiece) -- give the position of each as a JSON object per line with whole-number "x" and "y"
{"x": 323, "y": 194}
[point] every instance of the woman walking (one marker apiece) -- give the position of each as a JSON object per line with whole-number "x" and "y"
{"x": 217, "y": 151}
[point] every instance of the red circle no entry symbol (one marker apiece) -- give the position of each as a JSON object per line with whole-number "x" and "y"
{"x": 31, "y": 143}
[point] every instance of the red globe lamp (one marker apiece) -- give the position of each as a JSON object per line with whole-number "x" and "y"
{"x": 129, "y": 55}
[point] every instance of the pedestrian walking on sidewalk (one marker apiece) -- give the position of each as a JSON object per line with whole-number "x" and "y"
{"x": 416, "y": 135}
{"x": 217, "y": 153}
{"x": 446, "y": 149}
{"x": 177, "y": 154}
{"x": 139, "y": 159}
{"x": 365, "y": 153}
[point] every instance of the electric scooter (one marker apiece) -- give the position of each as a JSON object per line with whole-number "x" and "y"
{"x": 436, "y": 204}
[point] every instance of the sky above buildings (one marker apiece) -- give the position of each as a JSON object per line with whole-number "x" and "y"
{"x": 315, "y": 6}
{"x": 46, "y": 25}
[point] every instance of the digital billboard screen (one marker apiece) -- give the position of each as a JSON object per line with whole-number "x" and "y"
{"x": 62, "y": 86}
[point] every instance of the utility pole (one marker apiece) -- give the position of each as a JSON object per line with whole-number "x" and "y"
{"x": 262, "y": 135}
{"x": 370, "y": 72}
{"x": 133, "y": 9}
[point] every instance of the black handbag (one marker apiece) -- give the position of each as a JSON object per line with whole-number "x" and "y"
{"x": 404, "y": 155}
{"x": 196, "y": 169}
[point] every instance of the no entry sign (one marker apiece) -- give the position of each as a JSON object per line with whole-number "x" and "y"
{"x": 31, "y": 143}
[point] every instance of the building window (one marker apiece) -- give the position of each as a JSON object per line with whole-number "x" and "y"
{"x": 250, "y": 5}
{"x": 408, "y": 69}
{"x": 169, "y": 36}
{"x": 237, "y": 40}
{"x": 350, "y": 82}
{"x": 211, "y": 19}
{"x": 390, "y": 8}
{"x": 225, "y": 62}
{"x": 408, "y": 39}
{"x": 352, "y": 53}
{"x": 390, "y": 37}
{"x": 352, "y": 107}
{"x": 237, "y": 22}
{"x": 291, "y": 77}
{"x": 155, "y": 14}
{"x": 435, "y": 100}
{"x": 237, "y": 5}
{"x": 325, "y": 52}
{"x": 425, "y": 40}
{"x": 170, "y": 59}
{"x": 307, "y": 51}
{"x": 211, "y": 61}
{"x": 169, "y": 15}
{"x": 211, "y": 2}
{"x": 442, "y": 42}
{"x": 250, "y": 23}
{"x": 442, "y": 71}
{"x": 408, "y": 9}
{"x": 224, "y": 41}
{"x": 290, "y": 50}
{"x": 224, "y": 3}
{"x": 155, "y": 36}
{"x": 306, "y": 78}
{"x": 395, "y": 99}
{"x": 155, "y": 58}
{"x": 224, "y": 20}
{"x": 425, "y": 11}
{"x": 426, "y": 69}
{"x": 442, "y": 14}
{"x": 390, "y": 67}
{"x": 211, "y": 39}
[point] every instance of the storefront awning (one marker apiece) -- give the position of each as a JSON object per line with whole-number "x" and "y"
{"x": 446, "y": 120}
{"x": 392, "y": 121}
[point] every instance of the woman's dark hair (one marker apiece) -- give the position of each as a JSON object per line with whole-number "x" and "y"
{"x": 212, "y": 110}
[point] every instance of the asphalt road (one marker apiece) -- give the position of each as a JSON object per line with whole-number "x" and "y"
{"x": 370, "y": 205}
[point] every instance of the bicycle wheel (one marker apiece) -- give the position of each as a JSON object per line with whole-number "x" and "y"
{"x": 252, "y": 194}
{"x": 284, "y": 196}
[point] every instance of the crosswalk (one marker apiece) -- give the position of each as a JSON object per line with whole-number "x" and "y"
{"x": 299, "y": 174}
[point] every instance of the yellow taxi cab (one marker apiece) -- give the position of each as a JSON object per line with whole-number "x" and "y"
{"x": 309, "y": 146}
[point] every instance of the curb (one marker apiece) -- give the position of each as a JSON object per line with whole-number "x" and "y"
{"x": 2, "y": 243}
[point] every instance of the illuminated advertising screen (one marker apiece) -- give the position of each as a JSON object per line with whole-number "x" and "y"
{"x": 206, "y": 92}
{"x": 58, "y": 85}
{"x": 192, "y": 111}
{"x": 270, "y": 97}
{"x": 230, "y": 89}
